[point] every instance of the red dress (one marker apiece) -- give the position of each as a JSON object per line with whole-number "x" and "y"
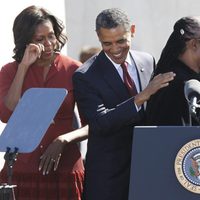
{"x": 66, "y": 183}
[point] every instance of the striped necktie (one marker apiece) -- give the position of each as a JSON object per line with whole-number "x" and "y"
{"x": 128, "y": 81}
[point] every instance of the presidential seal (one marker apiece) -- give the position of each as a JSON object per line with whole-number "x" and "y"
{"x": 187, "y": 166}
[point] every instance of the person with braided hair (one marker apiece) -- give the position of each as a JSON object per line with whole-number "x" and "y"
{"x": 181, "y": 55}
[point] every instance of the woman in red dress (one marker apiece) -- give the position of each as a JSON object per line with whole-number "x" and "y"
{"x": 54, "y": 170}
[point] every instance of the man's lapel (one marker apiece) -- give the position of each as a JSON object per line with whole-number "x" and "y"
{"x": 112, "y": 77}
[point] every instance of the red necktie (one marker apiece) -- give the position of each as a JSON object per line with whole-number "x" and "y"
{"x": 128, "y": 80}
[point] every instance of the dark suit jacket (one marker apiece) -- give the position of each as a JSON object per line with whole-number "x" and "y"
{"x": 111, "y": 114}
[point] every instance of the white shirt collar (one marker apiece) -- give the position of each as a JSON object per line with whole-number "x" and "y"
{"x": 131, "y": 69}
{"x": 117, "y": 66}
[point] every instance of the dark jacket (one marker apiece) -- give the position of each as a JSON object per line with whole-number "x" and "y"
{"x": 111, "y": 113}
{"x": 169, "y": 105}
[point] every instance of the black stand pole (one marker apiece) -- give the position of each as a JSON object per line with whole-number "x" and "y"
{"x": 7, "y": 190}
{"x": 10, "y": 158}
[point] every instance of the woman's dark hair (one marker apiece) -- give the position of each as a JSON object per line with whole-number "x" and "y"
{"x": 25, "y": 25}
{"x": 185, "y": 29}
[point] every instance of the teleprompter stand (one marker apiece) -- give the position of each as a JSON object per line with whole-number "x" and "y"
{"x": 26, "y": 127}
{"x": 7, "y": 190}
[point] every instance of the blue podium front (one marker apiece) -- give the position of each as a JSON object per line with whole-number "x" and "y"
{"x": 165, "y": 163}
{"x": 31, "y": 118}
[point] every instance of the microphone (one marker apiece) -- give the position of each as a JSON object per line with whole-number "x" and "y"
{"x": 192, "y": 94}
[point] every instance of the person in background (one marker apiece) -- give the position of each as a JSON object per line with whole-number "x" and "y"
{"x": 54, "y": 170}
{"x": 181, "y": 55}
{"x": 87, "y": 52}
{"x": 112, "y": 105}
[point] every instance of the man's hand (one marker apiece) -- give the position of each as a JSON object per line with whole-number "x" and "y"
{"x": 158, "y": 82}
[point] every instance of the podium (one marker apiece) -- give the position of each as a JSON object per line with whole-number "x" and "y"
{"x": 27, "y": 126}
{"x": 165, "y": 163}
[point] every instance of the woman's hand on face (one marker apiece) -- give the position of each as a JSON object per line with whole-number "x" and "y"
{"x": 51, "y": 157}
{"x": 31, "y": 54}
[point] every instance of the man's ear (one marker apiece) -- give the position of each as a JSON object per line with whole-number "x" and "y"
{"x": 132, "y": 30}
{"x": 197, "y": 44}
{"x": 193, "y": 44}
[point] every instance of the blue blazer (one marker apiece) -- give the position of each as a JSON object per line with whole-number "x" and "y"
{"x": 106, "y": 106}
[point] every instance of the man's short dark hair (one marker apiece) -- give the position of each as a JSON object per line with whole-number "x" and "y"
{"x": 111, "y": 18}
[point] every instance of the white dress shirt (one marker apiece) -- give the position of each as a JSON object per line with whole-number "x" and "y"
{"x": 131, "y": 70}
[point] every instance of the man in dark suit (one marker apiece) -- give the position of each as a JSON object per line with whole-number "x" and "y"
{"x": 108, "y": 108}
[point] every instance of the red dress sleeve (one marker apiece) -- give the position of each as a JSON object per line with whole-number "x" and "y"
{"x": 7, "y": 74}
